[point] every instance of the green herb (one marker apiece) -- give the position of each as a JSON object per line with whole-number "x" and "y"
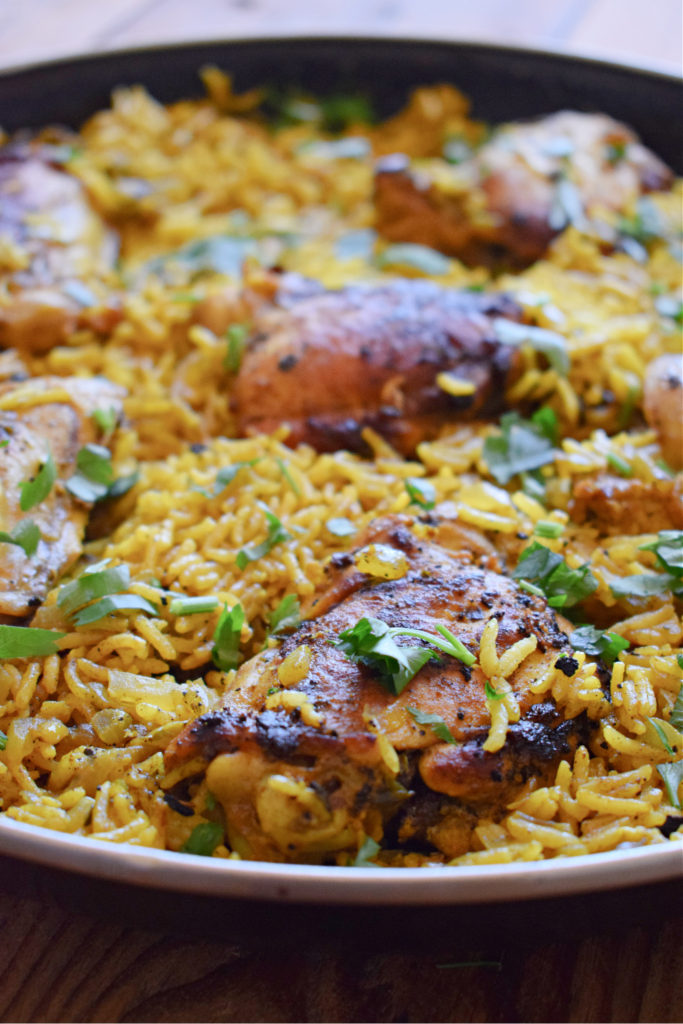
{"x": 562, "y": 586}
{"x": 421, "y": 492}
{"x": 105, "y": 419}
{"x": 224, "y": 477}
{"x": 26, "y": 642}
{"x": 226, "y": 638}
{"x": 339, "y": 526}
{"x": 656, "y": 735}
{"x": 355, "y": 245}
{"x": 210, "y": 804}
{"x": 368, "y": 849}
{"x": 545, "y": 528}
{"x": 271, "y": 690}
{"x": 627, "y": 409}
{"x": 522, "y": 445}
{"x": 287, "y": 615}
{"x": 192, "y": 605}
{"x": 532, "y": 484}
{"x": 3, "y": 740}
{"x": 371, "y": 642}
{"x": 646, "y": 224}
{"x": 615, "y": 151}
{"x": 672, "y": 776}
{"x": 607, "y": 646}
{"x": 113, "y": 603}
{"x": 276, "y": 535}
{"x": 679, "y": 659}
{"x": 553, "y": 346}
{"x": 236, "y": 336}
{"x": 342, "y": 110}
{"x": 284, "y": 469}
{"x": 122, "y": 484}
{"x": 25, "y": 535}
{"x": 644, "y": 585}
{"x": 417, "y": 257}
{"x": 36, "y": 490}
{"x": 94, "y": 478}
{"x": 435, "y": 723}
{"x": 204, "y": 839}
{"x": 620, "y": 465}
{"x": 93, "y": 583}
{"x": 668, "y": 550}
{"x": 491, "y": 692}
{"x": 3, "y": 444}
{"x": 676, "y": 716}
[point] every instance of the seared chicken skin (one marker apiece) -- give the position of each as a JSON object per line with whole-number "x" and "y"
{"x": 51, "y": 240}
{"x": 520, "y": 189}
{"x": 329, "y": 363}
{"x": 310, "y": 749}
{"x": 41, "y": 416}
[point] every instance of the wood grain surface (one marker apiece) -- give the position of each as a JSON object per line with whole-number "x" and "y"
{"x": 75, "y": 949}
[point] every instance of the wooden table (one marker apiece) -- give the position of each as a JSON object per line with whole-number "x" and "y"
{"x": 75, "y": 949}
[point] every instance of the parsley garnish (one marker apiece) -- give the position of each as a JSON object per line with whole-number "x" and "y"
{"x": 203, "y": 839}
{"x": 549, "y": 573}
{"x": 607, "y": 646}
{"x": 224, "y": 477}
{"x": 668, "y": 550}
{"x": 25, "y": 535}
{"x": 371, "y": 642}
{"x": 552, "y": 345}
{"x": 368, "y": 849}
{"x": 27, "y": 642}
{"x": 236, "y": 336}
{"x": 113, "y": 603}
{"x": 435, "y": 723}
{"x": 36, "y": 490}
{"x": 98, "y": 592}
{"x": 95, "y": 473}
{"x": 276, "y": 535}
{"x": 522, "y": 445}
{"x": 421, "y": 492}
{"x": 226, "y": 638}
{"x": 287, "y": 615}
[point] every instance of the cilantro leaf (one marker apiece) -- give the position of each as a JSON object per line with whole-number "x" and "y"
{"x": 203, "y": 839}
{"x": 668, "y": 550}
{"x": 105, "y": 419}
{"x": 93, "y": 583}
{"x": 643, "y": 584}
{"x": 277, "y": 534}
{"x": 435, "y": 722}
{"x": 368, "y": 849}
{"x": 94, "y": 475}
{"x": 224, "y": 477}
{"x": 36, "y": 490}
{"x": 113, "y": 603}
{"x": 287, "y": 615}
{"x": 562, "y": 586}
{"x": 25, "y": 535}
{"x": 226, "y": 638}
{"x": 421, "y": 492}
{"x": 522, "y": 445}
{"x": 676, "y": 717}
{"x": 236, "y": 336}
{"x": 27, "y": 642}
{"x": 552, "y": 345}
{"x": 672, "y": 776}
{"x": 607, "y": 646}
{"x": 371, "y": 642}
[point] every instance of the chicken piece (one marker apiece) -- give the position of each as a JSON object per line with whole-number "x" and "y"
{"x": 520, "y": 189}
{"x": 310, "y": 749}
{"x": 615, "y": 505}
{"x": 663, "y": 405}
{"x": 51, "y": 241}
{"x": 37, "y": 417}
{"x": 330, "y": 363}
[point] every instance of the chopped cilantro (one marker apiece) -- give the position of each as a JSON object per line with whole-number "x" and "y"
{"x": 522, "y": 445}
{"x": 287, "y": 615}
{"x": 607, "y": 646}
{"x": 371, "y": 642}
{"x": 276, "y": 535}
{"x": 417, "y": 257}
{"x": 25, "y": 535}
{"x": 27, "y": 642}
{"x": 672, "y": 776}
{"x": 94, "y": 475}
{"x": 224, "y": 477}
{"x": 421, "y": 492}
{"x": 94, "y": 582}
{"x": 657, "y": 735}
{"x": 548, "y": 529}
{"x": 368, "y": 849}
{"x": 341, "y": 110}
{"x": 435, "y": 723}
{"x": 192, "y": 605}
{"x": 491, "y": 692}
{"x": 203, "y": 839}
{"x": 646, "y": 584}
{"x": 113, "y": 603}
{"x": 668, "y": 550}
{"x": 618, "y": 464}
{"x": 236, "y": 336}
{"x": 105, "y": 419}
{"x": 36, "y": 490}
{"x": 615, "y": 151}
{"x": 226, "y": 638}
{"x": 562, "y": 586}
{"x": 552, "y": 345}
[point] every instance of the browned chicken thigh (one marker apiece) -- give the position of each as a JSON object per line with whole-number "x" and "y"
{"x": 41, "y": 417}
{"x": 329, "y": 363}
{"x": 507, "y": 203}
{"x": 311, "y": 749}
{"x": 51, "y": 241}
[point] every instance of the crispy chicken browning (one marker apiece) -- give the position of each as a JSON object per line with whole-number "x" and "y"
{"x": 507, "y": 203}
{"x": 51, "y": 240}
{"x": 37, "y": 417}
{"x": 310, "y": 749}
{"x": 330, "y": 363}
{"x": 615, "y": 505}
